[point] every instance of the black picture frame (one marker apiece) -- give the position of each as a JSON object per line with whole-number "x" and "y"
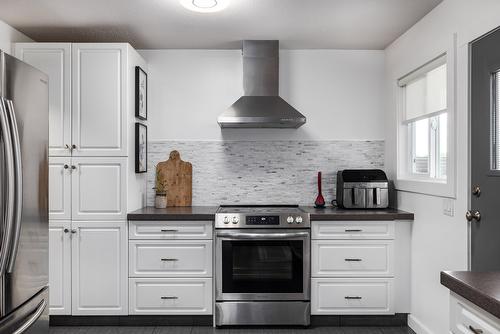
{"x": 141, "y": 148}
{"x": 141, "y": 94}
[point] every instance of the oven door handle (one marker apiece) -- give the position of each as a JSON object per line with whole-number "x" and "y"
{"x": 234, "y": 235}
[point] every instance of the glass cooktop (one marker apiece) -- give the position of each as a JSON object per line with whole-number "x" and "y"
{"x": 260, "y": 209}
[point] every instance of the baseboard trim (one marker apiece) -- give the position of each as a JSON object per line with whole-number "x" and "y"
{"x": 132, "y": 320}
{"x": 417, "y": 326}
{"x": 396, "y": 320}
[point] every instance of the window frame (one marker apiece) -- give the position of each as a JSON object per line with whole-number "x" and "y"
{"x": 414, "y": 182}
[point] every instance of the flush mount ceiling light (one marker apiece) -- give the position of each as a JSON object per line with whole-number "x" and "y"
{"x": 205, "y": 6}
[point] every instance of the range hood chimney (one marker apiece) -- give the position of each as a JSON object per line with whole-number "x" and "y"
{"x": 261, "y": 106}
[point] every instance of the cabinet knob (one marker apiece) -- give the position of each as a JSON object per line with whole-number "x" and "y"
{"x": 66, "y": 166}
{"x": 73, "y": 167}
{"x": 73, "y": 147}
{"x": 67, "y": 146}
{"x": 73, "y": 231}
{"x": 66, "y": 230}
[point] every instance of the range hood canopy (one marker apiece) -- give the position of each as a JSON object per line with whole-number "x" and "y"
{"x": 261, "y": 106}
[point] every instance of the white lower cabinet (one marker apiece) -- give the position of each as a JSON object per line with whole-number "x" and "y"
{"x": 99, "y": 268}
{"x": 352, "y": 267}
{"x": 352, "y": 296}
{"x": 170, "y": 296}
{"x": 181, "y": 258}
{"x": 60, "y": 267}
{"x": 466, "y": 318}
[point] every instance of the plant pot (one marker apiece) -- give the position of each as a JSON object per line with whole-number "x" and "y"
{"x": 161, "y": 201}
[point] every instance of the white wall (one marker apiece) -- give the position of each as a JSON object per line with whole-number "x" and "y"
{"x": 9, "y": 35}
{"x": 340, "y": 93}
{"x": 438, "y": 242}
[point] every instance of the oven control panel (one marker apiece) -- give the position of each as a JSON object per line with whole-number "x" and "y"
{"x": 238, "y": 220}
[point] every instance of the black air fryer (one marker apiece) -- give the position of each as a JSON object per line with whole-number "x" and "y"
{"x": 362, "y": 189}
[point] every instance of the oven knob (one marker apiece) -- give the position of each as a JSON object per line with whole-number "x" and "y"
{"x": 298, "y": 219}
{"x": 226, "y": 220}
{"x": 289, "y": 220}
{"x": 235, "y": 220}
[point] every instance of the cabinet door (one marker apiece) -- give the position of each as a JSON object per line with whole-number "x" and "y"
{"x": 59, "y": 188}
{"x": 54, "y": 59}
{"x": 99, "y": 99}
{"x": 99, "y": 188}
{"x": 60, "y": 267}
{"x": 99, "y": 268}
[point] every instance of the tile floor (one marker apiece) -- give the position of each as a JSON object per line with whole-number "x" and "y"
{"x": 210, "y": 330}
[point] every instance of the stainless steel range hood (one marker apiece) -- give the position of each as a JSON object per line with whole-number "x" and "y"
{"x": 261, "y": 106}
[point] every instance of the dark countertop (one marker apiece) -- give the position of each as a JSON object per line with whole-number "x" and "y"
{"x": 331, "y": 213}
{"x": 208, "y": 213}
{"x": 174, "y": 213}
{"x": 480, "y": 288}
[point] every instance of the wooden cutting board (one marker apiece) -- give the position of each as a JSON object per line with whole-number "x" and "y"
{"x": 177, "y": 175}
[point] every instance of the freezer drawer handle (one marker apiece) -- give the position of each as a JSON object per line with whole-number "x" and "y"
{"x": 38, "y": 312}
{"x": 475, "y": 330}
{"x": 169, "y": 297}
{"x": 169, "y": 260}
{"x": 166, "y": 230}
{"x": 353, "y": 297}
{"x": 349, "y": 230}
{"x": 353, "y": 260}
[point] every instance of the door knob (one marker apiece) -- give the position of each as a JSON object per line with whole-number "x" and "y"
{"x": 473, "y": 215}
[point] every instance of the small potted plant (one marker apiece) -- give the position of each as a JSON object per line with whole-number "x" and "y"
{"x": 161, "y": 193}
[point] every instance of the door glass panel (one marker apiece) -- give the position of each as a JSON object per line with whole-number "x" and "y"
{"x": 264, "y": 266}
{"x": 495, "y": 128}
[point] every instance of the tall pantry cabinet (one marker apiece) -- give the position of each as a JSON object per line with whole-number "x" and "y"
{"x": 92, "y": 181}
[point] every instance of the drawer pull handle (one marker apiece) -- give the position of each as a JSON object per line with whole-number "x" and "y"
{"x": 169, "y": 230}
{"x": 354, "y": 230}
{"x": 169, "y": 260}
{"x": 353, "y": 297}
{"x": 475, "y": 330}
{"x": 353, "y": 260}
{"x": 169, "y": 297}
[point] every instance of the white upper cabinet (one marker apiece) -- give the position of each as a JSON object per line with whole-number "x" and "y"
{"x": 99, "y": 188}
{"x": 99, "y": 99}
{"x": 59, "y": 188}
{"x": 54, "y": 59}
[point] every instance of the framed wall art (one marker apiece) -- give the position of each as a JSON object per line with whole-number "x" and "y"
{"x": 141, "y": 148}
{"x": 141, "y": 93}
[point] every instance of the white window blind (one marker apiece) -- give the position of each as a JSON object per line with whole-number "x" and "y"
{"x": 425, "y": 91}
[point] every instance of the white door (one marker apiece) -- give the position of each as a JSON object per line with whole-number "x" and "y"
{"x": 60, "y": 188}
{"x": 54, "y": 59}
{"x": 60, "y": 267}
{"x": 99, "y": 268}
{"x": 99, "y": 188}
{"x": 99, "y": 99}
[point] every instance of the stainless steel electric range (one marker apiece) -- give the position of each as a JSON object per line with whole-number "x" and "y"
{"x": 263, "y": 265}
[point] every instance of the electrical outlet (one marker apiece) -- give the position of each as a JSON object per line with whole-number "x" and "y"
{"x": 448, "y": 207}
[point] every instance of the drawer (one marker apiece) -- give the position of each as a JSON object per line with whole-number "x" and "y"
{"x": 352, "y": 258}
{"x": 176, "y": 258}
{"x": 170, "y": 230}
{"x": 466, "y": 317}
{"x": 352, "y": 296}
{"x": 352, "y": 229}
{"x": 170, "y": 296}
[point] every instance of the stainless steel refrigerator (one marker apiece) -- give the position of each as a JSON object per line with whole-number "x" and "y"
{"x": 24, "y": 238}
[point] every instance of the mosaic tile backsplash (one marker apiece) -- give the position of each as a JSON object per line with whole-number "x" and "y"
{"x": 264, "y": 172}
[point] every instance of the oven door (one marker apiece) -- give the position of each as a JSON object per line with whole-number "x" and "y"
{"x": 261, "y": 264}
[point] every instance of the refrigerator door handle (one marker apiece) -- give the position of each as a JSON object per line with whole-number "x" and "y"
{"x": 10, "y": 188}
{"x": 18, "y": 182}
{"x": 33, "y": 317}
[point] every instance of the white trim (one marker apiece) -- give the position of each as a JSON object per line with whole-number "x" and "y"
{"x": 431, "y": 186}
{"x": 417, "y": 326}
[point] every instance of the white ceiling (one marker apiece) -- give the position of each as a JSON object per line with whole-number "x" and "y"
{"x": 159, "y": 24}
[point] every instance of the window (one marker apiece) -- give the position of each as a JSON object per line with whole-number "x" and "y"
{"x": 425, "y": 120}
